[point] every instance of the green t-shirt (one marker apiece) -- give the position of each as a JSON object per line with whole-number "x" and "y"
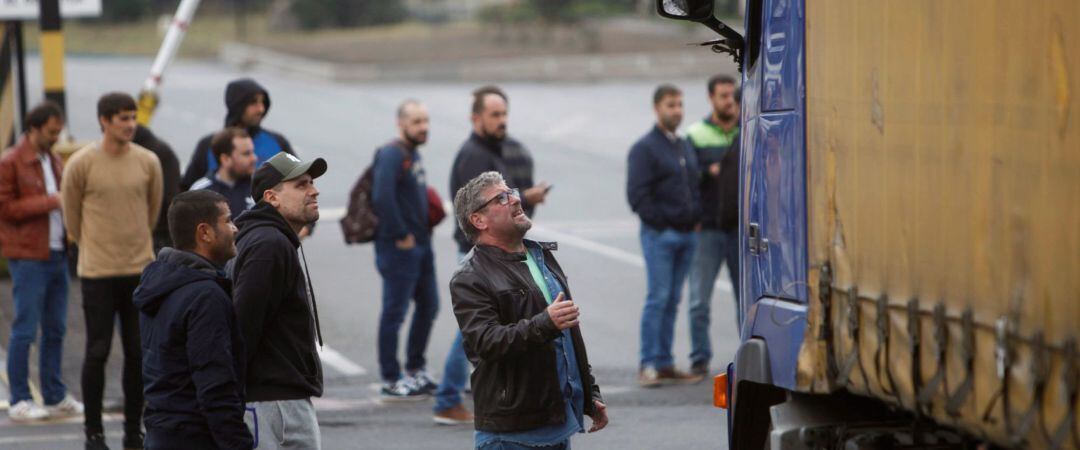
{"x": 538, "y": 277}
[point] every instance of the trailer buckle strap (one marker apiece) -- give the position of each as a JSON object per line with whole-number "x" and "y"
{"x": 967, "y": 355}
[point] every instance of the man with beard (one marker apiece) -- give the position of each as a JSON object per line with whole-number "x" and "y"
{"x": 533, "y": 383}
{"x": 235, "y": 153}
{"x": 712, "y": 138}
{"x": 247, "y": 103}
{"x": 32, "y": 239}
{"x": 488, "y": 148}
{"x": 193, "y": 361}
{"x": 662, "y": 188}
{"x": 111, "y": 195}
{"x": 404, "y": 256}
{"x": 276, "y": 307}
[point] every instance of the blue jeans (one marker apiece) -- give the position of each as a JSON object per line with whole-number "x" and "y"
{"x": 407, "y": 275}
{"x": 714, "y": 247}
{"x": 41, "y": 299}
{"x": 455, "y": 372}
{"x": 455, "y": 375}
{"x": 668, "y": 255}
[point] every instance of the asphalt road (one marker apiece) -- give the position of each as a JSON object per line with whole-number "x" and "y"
{"x": 579, "y": 135}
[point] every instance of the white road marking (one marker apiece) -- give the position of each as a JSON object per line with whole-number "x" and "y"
{"x": 617, "y": 254}
{"x": 339, "y": 362}
{"x": 73, "y": 437}
{"x": 633, "y": 259}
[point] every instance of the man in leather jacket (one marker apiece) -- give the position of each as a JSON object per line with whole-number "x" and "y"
{"x": 532, "y": 383}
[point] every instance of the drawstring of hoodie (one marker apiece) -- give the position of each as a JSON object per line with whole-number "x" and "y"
{"x": 311, "y": 292}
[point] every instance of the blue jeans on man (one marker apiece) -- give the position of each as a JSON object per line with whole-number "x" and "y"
{"x": 713, "y": 249}
{"x": 668, "y": 255}
{"x": 455, "y": 377}
{"x": 407, "y": 275}
{"x": 455, "y": 372}
{"x": 41, "y": 300}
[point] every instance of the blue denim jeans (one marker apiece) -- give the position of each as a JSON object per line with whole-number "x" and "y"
{"x": 713, "y": 249}
{"x": 455, "y": 372}
{"x": 455, "y": 376}
{"x": 668, "y": 255}
{"x": 41, "y": 300}
{"x": 408, "y": 275}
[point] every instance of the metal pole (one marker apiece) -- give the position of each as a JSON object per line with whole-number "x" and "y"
{"x": 52, "y": 51}
{"x": 7, "y": 124}
{"x": 148, "y": 98}
{"x": 20, "y": 70}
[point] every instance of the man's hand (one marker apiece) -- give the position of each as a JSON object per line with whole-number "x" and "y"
{"x": 599, "y": 417}
{"x": 564, "y": 313}
{"x": 406, "y": 243}
{"x": 536, "y": 194}
{"x": 714, "y": 169}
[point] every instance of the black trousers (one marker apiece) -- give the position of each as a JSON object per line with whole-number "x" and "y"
{"x": 105, "y": 299}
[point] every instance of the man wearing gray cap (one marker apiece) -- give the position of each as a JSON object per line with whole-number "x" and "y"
{"x": 275, "y": 304}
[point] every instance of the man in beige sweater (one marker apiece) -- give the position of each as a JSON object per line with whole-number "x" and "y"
{"x": 111, "y": 195}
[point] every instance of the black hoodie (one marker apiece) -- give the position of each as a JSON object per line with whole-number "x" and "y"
{"x": 280, "y": 325}
{"x": 170, "y": 176}
{"x": 238, "y": 94}
{"x": 192, "y": 353}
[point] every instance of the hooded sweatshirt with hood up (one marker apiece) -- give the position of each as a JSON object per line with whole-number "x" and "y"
{"x": 238, "y": 95}
{"x": 271, "y": 297}
{"x": 192, "y": 354}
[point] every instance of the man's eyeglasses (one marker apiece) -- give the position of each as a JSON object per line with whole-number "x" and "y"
{"x": 503, "y": 198}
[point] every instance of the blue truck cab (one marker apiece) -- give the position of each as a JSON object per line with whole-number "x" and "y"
{"x": 772, "y": 206}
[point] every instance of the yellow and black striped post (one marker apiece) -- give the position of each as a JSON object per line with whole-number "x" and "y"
{"x": 7, "y": 87}
{"x": 52, "y": 51}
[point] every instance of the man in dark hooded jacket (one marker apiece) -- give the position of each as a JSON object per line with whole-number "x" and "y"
{"x": 275, "y": 304}
{"x": 247, "y": 103}
{"x": 192, "y": 349}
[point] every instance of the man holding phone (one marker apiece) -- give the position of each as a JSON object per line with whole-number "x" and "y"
{"x": 533, "y": 383}
{"x": 489, "y": 148}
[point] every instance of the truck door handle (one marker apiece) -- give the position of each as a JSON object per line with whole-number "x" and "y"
{"x": 758, "y": 244}
{"x": 754, "y": 230}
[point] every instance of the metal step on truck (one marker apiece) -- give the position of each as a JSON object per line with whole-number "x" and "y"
{"x": 909, "y": 221}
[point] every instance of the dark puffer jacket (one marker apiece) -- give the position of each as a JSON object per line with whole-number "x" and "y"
{"x": 192, "y": 353}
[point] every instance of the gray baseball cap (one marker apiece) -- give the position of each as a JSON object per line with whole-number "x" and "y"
{"x": 283, "y": 167}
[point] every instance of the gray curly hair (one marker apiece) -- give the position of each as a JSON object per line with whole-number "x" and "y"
{"x": 471, "y": 197}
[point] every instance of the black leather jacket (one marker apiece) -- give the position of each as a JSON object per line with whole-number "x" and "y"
{"x": 509, "y": 338}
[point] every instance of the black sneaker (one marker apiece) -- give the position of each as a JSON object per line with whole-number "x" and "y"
{"x": 700, "y": 368}
{"x": 96, "y": 441}
{"x": 423, "y": 382}
{"x": 133, "y": 441}
{"x": 402, "y": 391}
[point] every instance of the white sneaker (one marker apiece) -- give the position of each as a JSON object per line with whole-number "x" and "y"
{"x": 423, "y": 382}
{"x": 27, "y": 411}
{"x": 68, "y": 407}
{"x": 402, "y": 390}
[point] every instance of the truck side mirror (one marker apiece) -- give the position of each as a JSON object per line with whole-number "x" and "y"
{"x": 692, "y": 10}
{"x": 701, "y": 11}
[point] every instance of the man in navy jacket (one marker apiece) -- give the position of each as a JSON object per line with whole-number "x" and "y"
{"x": 404, "y": 256}
{"x": 662, "y": 188}
{"x": 192, "y": 349}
